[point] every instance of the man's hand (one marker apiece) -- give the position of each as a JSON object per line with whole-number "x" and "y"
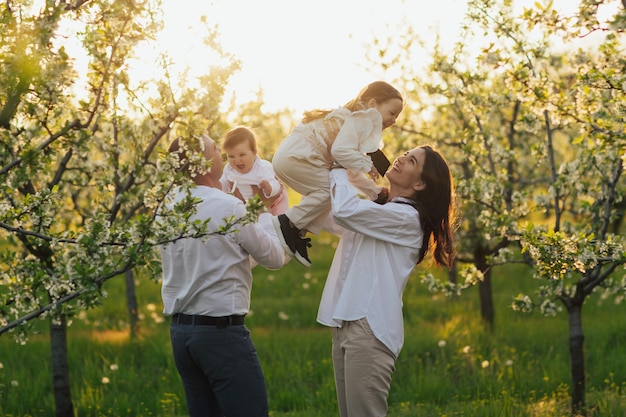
{"x": 232, "y": 189}
{"x": 266, "y": 187}
{"x": 267, "y": 201}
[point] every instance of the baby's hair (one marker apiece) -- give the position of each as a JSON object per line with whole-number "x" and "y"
{"x": 239, "y": 135}
{"x": 380, "y": 91}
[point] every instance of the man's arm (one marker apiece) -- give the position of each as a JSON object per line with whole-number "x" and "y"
{"x": 262, "y": 243}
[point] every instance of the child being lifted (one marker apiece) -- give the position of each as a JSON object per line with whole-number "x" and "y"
{"x": 343, "y": 136}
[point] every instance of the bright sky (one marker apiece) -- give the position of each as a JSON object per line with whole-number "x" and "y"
{"x": 304, "y": 54}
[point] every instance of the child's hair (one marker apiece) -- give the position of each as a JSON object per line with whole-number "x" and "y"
{"x": 378, "y": 90}
{"x": 239, "y": 135}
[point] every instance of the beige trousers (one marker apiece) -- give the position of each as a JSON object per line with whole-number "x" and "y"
{"x": 301, "y": 164}
{"x": 363, "y": 368}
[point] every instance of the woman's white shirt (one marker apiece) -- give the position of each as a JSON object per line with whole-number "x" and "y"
{"x": 377, "y": 252}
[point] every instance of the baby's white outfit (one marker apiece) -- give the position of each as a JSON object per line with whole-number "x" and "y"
{"x": 261, "y": 170}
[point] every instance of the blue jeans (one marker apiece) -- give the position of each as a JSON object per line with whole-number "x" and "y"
{"x": 220, "y": 371}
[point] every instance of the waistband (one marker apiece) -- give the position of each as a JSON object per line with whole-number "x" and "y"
{"x": 196, "y": 320}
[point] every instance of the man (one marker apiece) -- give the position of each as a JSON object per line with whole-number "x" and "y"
{"x": 206, "y": 291}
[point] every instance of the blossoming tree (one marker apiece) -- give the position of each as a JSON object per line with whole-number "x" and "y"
{"x": 536, "y": 133}
{"x": 80, "y": 180}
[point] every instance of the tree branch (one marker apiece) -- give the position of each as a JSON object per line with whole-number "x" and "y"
{"x": 60, "y": 301}
{"x": 61, "y": 169}
{"x": 73, "y": 125}
{"x": 130, "y": 180}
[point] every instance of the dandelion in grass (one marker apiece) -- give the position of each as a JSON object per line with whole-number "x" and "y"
{"x": 283, "y": 316}
{"x": 305, "y": 285}
{"x": 509, "y": 362}
{"x": 14, "y": 383}
{"x": 151, "y": 307}
{"x": 307, "y": 275}
{"x": 1, "y": 365}
{"x": 156, "y": 317}
{"x": 442, "y": 343}
{"x": 83, "y": 316}
{"x": 485, "y": 364}
{"x": 105, "y": 380}
{"x": 114, "y": 367}
{"x": 467, "y": 349}
{"x": 270, "y": 277}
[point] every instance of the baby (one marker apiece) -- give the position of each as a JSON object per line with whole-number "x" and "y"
{"x": 246, "y": 174}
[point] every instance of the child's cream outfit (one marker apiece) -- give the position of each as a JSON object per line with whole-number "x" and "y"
{"x": 261, "y": 170}
{"x": 303, "y": 159}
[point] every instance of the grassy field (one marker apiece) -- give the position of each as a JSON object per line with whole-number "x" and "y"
{"x": 450, "y": 365}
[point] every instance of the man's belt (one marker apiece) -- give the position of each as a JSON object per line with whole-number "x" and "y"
{"x": 196, "y": 320}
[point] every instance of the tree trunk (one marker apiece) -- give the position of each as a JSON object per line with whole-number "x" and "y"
{"x": 453, "y": 273}
{"x": 487, "y": 312}
{"x": 131, "y": 301}
{"x": 60, "y": 370}
{"x": 577, "y": 358}
{"x": 620, "y": 213}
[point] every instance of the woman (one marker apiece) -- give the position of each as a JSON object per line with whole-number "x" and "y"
{"x": 379, "y": 247}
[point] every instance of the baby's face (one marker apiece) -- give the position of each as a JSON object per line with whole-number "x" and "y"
{"x": 241, "y": 157}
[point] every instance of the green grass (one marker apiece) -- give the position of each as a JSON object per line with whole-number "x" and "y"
{"x": 450, "y": 364}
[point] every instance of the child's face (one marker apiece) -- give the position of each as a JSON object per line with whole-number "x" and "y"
{"x": 241, "y": 157}
{"x": 390, "y": 110}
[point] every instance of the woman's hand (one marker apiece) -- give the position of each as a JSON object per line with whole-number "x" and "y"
{"x": 374, "y": 174}
{"x": 383, "y": 196}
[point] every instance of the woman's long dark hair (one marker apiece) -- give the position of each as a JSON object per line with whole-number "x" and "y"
{"x": 435, "y": 205}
